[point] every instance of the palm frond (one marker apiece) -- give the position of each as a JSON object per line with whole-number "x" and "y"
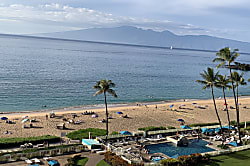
{"x": 112, "y": 92}
{"x": 98, "y": 92}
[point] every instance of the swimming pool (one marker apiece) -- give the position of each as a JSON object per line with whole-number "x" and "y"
{"x": 174, "y": 151}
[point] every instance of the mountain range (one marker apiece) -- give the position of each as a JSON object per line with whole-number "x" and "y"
{"x": 138, "y": 36}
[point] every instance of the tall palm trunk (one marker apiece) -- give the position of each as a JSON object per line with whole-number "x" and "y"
{"x": 212, "y": 91}
{"x": 228, "y": 118}
{"x": 106, "y": 106}
{"x": 235, "y": 101}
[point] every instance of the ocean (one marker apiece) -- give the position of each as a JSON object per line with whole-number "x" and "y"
{"x": 36, "y": 72}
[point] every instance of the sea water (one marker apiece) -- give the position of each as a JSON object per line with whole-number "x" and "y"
{"x": 58, "y": 73}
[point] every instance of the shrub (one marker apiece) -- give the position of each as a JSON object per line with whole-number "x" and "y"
{"x": 170, "y": 162}
{"x": 223, "y": 146}
{"x": 84, "y": 133}
{"x": 115, "y": 160}
{"x": 114, "y": 133}
{"x": 14, "y": 142}
{"x": 196, "y": 158}
{"x": 152, "y": 128}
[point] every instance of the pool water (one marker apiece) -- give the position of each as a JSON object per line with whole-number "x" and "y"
{"x": 172, "y": 150}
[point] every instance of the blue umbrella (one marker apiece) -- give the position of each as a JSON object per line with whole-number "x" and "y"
{"x": 180, "y": 120}
{"x": 171, "y": 106}
{"x": 4, "y": 118}
{"x": 119, "y": 113}
{"x": 125, "y": 133}
{"x": 186, "y": 127}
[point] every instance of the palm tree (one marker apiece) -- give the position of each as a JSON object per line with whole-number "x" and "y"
{"x": 104, "y": 86}
{"x": 209, "y": 82}
{"x": 226, "y": 56}
{"x": 239, "y": 80}
{"x": 222, "y": 82}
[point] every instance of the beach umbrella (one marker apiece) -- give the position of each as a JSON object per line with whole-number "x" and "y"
{"x": 125, "y": 133}
{"x": 25, "y": 120}
{"x": 186, "y": 127}
{"x": 4, "y": 118}
{"x": 171, "y": 106}
{"x": 183, "y": 105}
{"x": 119, "y": 113}
{"x": 180, "y": 120}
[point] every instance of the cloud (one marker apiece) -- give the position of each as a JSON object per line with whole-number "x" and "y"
{"x": 57, "y": 17}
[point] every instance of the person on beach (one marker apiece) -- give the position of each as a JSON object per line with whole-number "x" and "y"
{"x": 46, "y": 116}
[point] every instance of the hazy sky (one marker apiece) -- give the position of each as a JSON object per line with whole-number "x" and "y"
{"x": 222, "y": 18}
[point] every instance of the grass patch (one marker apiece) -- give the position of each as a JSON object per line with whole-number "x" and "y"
{"x": 84, "y": 133}
{"x": 102, "y": 163}
{"x": 81, "y": 161}
{"x": 241, "y": 158}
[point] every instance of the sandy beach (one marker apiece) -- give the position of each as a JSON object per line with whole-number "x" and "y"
{"x": 138, "y": 116}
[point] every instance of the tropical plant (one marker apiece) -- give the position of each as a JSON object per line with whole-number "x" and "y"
{"x": 238, "y": 80}
{"x": 209, "y": 81}
{"x": 225, "y": 55}
{"x": 104, "y": 86}
{"x": 222, "y": 82}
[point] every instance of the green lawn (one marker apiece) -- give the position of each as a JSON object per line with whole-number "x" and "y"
{"x": 241, "y": 158}
{"x": 102, "y": 163}
{"x": 81, "y": 162}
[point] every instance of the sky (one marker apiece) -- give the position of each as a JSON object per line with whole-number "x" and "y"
{"x": 222, "y": 18}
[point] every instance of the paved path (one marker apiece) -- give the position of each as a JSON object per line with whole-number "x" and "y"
{"x": 93, "y": 159}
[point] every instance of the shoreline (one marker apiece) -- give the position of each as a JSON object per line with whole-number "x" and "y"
{"x": 98, "y": 107}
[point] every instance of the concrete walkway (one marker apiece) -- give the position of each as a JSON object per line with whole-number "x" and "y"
{"x": 93, "y": 159}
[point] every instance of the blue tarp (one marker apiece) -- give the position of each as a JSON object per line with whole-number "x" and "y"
{"x": 171, "y": 106}
{"x": 53, "y": 162}
{"x": 119, "y": 113}
{"x": 125, "y": 133}
{"x": 186, "y": 127}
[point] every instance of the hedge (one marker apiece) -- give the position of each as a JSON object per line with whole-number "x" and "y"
{"x": 14, "y": 142}
{"x": 152, "y": 128}
{"x": 84, "y": 133}
{"x": 186, "y": 160}
{"x": 203, "y": 124}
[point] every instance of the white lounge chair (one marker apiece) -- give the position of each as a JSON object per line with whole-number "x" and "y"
{"x": 28, "y": 161}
